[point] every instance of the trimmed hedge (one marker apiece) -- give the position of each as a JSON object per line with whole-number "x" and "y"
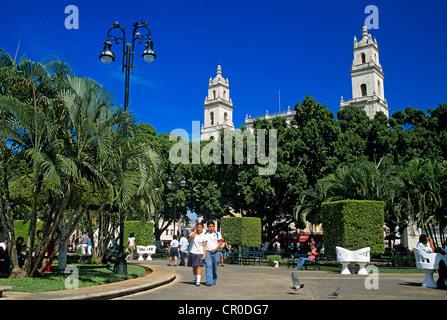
{"x": 21, "y": 229}
{"x": 143, "y": 230}
{"x": 353, "y": 224}
{"x": 242, "y": 231}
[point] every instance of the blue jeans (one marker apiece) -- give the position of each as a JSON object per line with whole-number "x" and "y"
{"x": 211, "y": 262}
{"x": 301, "y": 262}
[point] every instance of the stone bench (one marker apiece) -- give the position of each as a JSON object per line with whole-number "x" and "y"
{"x": 142, "y": 250}
{"x": 347, "y": 257}
{"x": 428, "y": 263}
{"x": 4, "y": 288}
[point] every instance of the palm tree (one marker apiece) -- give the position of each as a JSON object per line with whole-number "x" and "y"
{"x": 308, "y": 207}
{"x": 425, "y": 187}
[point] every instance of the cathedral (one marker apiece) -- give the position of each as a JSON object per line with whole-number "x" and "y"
{"x": 367, "y": 92}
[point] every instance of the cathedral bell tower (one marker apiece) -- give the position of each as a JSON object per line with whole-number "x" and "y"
{"x": 367, "y": 77}
{"x": 218, "y": 108}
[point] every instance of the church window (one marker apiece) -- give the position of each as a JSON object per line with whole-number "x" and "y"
{"x": 379, "y": 89}
{"x": 363, "y": 58}
{"x": 211, "y": 118}
{"x": 214, "y": 94}
{"x": 225, "y": 117}
{"x": 363, "y": 90}
{"x": 211, "y": 138}
{"x": 224, "y": 94}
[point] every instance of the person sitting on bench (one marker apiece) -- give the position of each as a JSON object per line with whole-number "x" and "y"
{"x": 312, "y": 255}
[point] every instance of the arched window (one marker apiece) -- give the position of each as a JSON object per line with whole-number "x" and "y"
{"x": 379, "y": 89}
{"x": 224, "y": 94}
{"x": 363, "y": 90}
{"x": 363, "y": 57}
{"x": 214, "y": 94}
{"x": 211, "y": 118}
{"x": 211, "y": 138}
{"x": 225, "y": 117}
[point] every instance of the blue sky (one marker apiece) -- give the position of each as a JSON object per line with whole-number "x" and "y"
{"x": 296, "y": 47}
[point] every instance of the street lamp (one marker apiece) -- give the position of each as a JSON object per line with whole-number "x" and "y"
{"x": 173, "y": 176}
{"x": 107, "y": 56}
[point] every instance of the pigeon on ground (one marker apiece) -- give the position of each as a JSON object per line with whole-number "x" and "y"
{"x": 335, "y": 293}
{"x": 296, "y": 284}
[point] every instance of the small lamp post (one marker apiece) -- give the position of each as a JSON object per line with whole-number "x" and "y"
{"x": 107, "y": 56}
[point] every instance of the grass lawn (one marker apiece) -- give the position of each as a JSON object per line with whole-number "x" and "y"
{"x": 89, "y": 275}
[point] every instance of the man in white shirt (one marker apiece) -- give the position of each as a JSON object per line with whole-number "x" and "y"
{"x": 213, "y": 253}
{"x": 183, "y": 246}
{"x": 424, "y": 244}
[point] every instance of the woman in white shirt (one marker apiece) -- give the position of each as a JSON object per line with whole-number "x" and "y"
{"x": 198, "y": 241}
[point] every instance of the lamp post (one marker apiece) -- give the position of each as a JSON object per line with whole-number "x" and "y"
{"x": 107, "y": 56}
{"x": 173, "y": 176}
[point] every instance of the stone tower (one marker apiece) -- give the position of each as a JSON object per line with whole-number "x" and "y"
{"x": 218, "y": 108}
{"x": 367, "y": 77}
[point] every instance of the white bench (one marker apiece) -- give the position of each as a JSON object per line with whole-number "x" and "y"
{"x": 428, "y": 263}
{"x": 142, "y": 250}
{"x": 347, "y": 257}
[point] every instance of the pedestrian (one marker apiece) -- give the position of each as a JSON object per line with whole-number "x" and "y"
{"x": 173, "y": 250}
{"x": 224, "y": 251}
{"x": 212, "y": 258}
{"x": 83, "y": 242}
{"x": 131, "y": 246}
{"x": 277, "y": 248}
{"x": 183, "y": 247}
{"x": 20, "y": 255}
{"x": 89, "y": 248}
{"x": 50, "y": 250}
{"x": 198, "y": 241}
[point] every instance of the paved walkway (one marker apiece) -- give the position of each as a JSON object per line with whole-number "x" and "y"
{"x": 248, "y": 283}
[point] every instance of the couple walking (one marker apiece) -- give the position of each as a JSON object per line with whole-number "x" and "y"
{"x": 205, "y": 250}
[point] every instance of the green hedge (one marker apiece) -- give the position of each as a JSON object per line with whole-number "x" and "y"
{"x": 143, "y": 230}
{"x": 242, "y": 231}
{"x": 21, "y": 229}
{"x": 353, "y": 224}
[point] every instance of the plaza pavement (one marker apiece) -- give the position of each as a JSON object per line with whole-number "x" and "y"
{"x": 247, "y": 283}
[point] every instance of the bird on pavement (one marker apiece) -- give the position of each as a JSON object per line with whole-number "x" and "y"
{"x": 335, "y": 293}
{"x": 296, "y": 284}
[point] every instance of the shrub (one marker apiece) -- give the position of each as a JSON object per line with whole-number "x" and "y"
{"x": 272, "y": 258}
{"x": 353, "y": 224}
{"x": 242, "y": 231}
{"x": 143, "y": 230}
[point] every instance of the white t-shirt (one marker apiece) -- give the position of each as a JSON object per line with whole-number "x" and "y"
{"x": 213, "y": 240}
{"x": 184, "y": 244}
{"x": 197, "y": 243}
{"x": 131, "y": 241}
{"x": 424, "y": 247}
{"x": 174, "y": 243}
